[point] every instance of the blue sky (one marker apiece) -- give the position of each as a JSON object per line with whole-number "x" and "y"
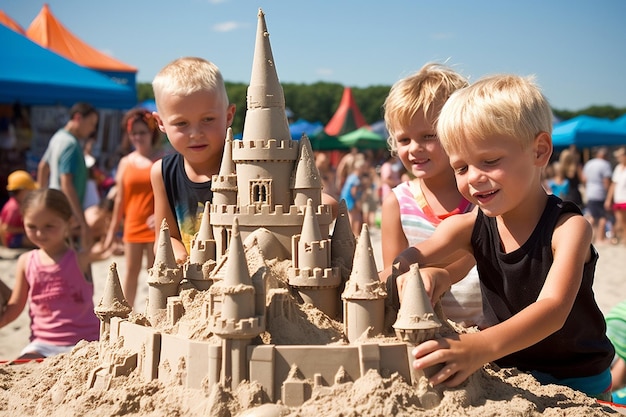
{"x": 575, "y": 48}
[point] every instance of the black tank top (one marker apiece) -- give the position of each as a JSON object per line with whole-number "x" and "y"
{"x": 512, "y": 281}
{"x": 186, "y": 198}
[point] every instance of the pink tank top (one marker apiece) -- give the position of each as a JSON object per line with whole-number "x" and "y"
{"x": 61, "y": 302}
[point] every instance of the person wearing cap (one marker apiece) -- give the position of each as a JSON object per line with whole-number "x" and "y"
{"x": 12, "y": 232}
{"x": 63, "y": 163}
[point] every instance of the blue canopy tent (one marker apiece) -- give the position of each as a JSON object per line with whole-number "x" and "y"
{"x": 621, "y": 121}
{"x": 33, "y": 75}
{"x": 302, "y": 126}
{"x": 586, "y": 131}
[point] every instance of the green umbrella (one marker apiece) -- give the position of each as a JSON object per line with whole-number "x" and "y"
{"x": 324, "y": 142}
{"x": 363, "y": 138}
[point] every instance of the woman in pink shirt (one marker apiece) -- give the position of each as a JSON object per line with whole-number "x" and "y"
{"x": 52, "y": 279}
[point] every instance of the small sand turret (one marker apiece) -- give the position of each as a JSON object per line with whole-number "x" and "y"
{"x": 112, "y": 304}
{"x": 224, "y": 184}
{"x": 307, "y": 181}
{"x": 364, "y": 295}
{"x": 196, "y": 270}
{"x": 417, "y": 321}
{"x": 164, "y": 276}
{"x": 343, "y": 243}
{"x": 236, "y": 322}
{"x": 311, "y": 273}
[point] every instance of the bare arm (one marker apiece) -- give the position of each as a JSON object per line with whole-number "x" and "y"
{"x": 67, "y": 186}
{"x": 43, "y": 174}
{"x": 452, "y": 236}
{"x": 19, "y": 295}
{"x": 118, "y": 212}
{"x": 465, "y": 354}
{"x": 162, "y": 211}
{"x": 609, "y": 196}
{"x": 392, "y": 234}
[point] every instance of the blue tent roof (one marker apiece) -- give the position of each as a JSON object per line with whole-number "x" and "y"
{"x": 587, "y": 131}
{"x": 34, "y": 75}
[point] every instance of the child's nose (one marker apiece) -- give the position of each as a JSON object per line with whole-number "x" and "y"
{"x": 474, "y": 174}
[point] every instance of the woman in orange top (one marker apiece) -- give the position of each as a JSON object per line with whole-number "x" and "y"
{"x": 134, "y": 200}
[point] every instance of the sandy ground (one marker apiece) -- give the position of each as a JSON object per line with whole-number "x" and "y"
{"x": 610, "y": 287}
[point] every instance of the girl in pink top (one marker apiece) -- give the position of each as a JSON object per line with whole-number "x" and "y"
{"x": 52, "y": 279}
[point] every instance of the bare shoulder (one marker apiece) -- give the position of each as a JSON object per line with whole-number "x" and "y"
{"x": 572, "y": 226}
{"x": 24, "y": 257}
{"x": 156, "y": 171}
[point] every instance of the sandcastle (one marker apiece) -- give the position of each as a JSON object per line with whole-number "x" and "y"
{"x": 267, "y": 204}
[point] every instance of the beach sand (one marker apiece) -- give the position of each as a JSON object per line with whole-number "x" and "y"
{"x": 610, "y": 287}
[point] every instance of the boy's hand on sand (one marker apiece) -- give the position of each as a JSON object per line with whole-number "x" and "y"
{"x": 436, "y": 283}
{"x": 459, "y": 355}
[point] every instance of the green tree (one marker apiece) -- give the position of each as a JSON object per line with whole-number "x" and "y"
{"x": 319, "y": 101}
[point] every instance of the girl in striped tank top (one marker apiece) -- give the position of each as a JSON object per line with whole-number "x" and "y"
{"x": 413, "y": 210}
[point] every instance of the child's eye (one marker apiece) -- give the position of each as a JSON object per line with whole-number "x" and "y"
{"x": 403, "y": 141}
{"x": 431, "y": 137}
{"x": 460, "y": 170}
{"x": 208, "y": 119}
{"x": 492, "y": 162}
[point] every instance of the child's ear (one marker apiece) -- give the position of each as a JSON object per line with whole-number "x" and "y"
{"x": 159, "y": 121}
{"x": 543, "y": 148}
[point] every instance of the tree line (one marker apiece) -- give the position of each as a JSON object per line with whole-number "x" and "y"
{"x": 319, "y": 101}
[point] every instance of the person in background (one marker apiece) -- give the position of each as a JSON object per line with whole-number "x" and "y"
{"x": 572, "y": 169}
{"x": 327, "y": 173}
{"x": 597, "y": 173}
{"x": 415, "y": 208}
{"x": 533, "y": 251}
{"x": 345, "y": 167}
{"x": 390, "y": 175}
{"x": 63, "y": 164}
{"x": 194, "y": 112}
{"x": 52, "y": 280}
{"x": 557, "y": 183}
{"x": 352, "y": 192}
{"x": 616, "y": 196}
{"x": 134, "y": 199}
{"x": 12, "y": 234}
{"x": 369, "y": 197}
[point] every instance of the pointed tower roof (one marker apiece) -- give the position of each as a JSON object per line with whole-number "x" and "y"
{"x": 364, "y": 269}
{"x": 417, "y": 321}
{"x": 237, "y": 266}
{"x": 205, "y": 232}
{"x": 227, "y": 167}
{"x": 343, "y": 242}
{"x": 49, "y": 32}
{"x": 347, "y": 117}
{"x": 165, "y": 270}
{"x": 310, "y": 226}
{"x": 265, "y": 117}
{"x": 164, "y": 253}
{"x": 416, "y": 311}
{"x": 306, "y": 175}
{"x": 113, "y": 303}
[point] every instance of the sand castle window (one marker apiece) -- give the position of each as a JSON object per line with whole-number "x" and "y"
{"x": 260, "y": 191}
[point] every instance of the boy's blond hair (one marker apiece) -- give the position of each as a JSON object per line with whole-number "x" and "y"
{"x": 426, "y": 90}
{"x": 188, "y": 75}
{"x": 501, "y": 104}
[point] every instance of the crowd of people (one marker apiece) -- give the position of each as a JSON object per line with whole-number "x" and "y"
{"x": 469, "y": 190}
{"x": 597, "y": 186}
